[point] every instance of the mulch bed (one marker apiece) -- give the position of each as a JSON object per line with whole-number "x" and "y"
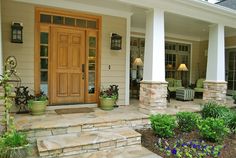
{"x": 149, "y": 140}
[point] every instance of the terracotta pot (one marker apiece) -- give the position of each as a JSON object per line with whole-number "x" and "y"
{"x": 38, "y": 107}
{"x": 107, "y": 103}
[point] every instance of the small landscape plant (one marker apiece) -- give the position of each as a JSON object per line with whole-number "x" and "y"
{"x": 163, "y": 125}
{"x": 188, "y": 149}
{"x": 109, "y": 92}
{"x": 214, "y": 110}
{"x": 213, "y": 129}
{"x": 187, "y": 121}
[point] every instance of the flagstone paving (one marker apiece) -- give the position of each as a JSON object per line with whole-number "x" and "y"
{"x": 65, "y": 135}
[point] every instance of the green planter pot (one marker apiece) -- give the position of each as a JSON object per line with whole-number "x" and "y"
{"x": 38, "y": 107}
{"x": 107, "y": 103}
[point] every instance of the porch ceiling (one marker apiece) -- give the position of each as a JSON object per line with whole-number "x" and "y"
{"x": 176, "y": 24}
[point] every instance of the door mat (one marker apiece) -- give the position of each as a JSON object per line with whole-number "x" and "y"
{"x": 74, "y": 110}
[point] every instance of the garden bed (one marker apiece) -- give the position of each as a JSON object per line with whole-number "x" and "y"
{"x": 149, "y": 140}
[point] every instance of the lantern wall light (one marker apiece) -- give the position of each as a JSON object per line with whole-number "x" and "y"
{"x": 17, "y": 32}
{"x": 116, "y": 41}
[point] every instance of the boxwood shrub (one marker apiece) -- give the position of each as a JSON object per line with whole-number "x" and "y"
{"x": 163, "y": 125}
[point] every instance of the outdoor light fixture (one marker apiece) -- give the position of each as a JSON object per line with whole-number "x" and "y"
{"x": 116, "y": 41}
{"x": 16, "y": 32}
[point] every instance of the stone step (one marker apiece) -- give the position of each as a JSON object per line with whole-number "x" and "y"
{"x": 135, "y": 151}
{"x": 39, "y": 126}
{"x": 87, "y": 142}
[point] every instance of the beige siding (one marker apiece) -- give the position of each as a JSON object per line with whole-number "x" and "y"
{"x": 24, "y": 53}
{"x": 116, "y": 59}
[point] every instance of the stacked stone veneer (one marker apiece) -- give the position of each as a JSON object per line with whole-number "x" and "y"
{"x": 215, "y": 91}
{"x": 152, "y": 96}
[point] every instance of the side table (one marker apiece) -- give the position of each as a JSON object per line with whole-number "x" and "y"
{"x": 184, "y": 94}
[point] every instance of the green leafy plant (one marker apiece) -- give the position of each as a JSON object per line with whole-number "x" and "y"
{"x": 234, "y": 95}
{"x": 213, "y": 129}
{"x": 232, "y": 122}
{"x": 110, "y": 92}
{"x": 214, "y": 110}
{"x": 163, "y": 125}
{"x": 187, "y": 121}
{"x": 37, "y": 97}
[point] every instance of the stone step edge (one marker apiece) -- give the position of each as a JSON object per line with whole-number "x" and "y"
{"x": 133, "y": 151}
{"x": 86, "y": 142}
{"x": 42, "y": 132}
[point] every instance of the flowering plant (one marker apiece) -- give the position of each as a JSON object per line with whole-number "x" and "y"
{"x": 110, "y": 92}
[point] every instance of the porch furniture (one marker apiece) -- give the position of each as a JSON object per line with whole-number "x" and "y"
{"x": 184, "y": 94}
{"x": 199, "y": 86}
{"x": 174, "y": 84}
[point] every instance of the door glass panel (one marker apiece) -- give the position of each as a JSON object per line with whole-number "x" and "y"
{"x": 91, "y": 87}
{"x": 44, "y": 76}
{"x": 92, "y": 52}
{"x": 70, "y": 21}
{"x": 43, "y": 51}
{"x": 81, "y": 23}
{"x": 44, "y": 63}
{"x": 91, "y": 24}
{"x": 45, "y": 18}
{"x": 58, "y": 19}
{"x": 92, "y": 42}
{"x": 91, "y": 65}
{"x": 43, "y": 38}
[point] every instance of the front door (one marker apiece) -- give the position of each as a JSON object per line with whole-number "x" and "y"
{"x": 230, "y": 68}
{"x": 67, "y": 65}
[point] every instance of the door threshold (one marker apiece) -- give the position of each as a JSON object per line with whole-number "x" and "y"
{"x": 90, "y": 105}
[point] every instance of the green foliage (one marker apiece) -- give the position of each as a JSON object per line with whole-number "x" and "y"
{"x": 213, "y": 129}
{"x": 187, "y": 121}
{"x": 13, "y": 144}
{"x": 214, "y": 110}
{"x": 163, "y": 125}
{"x": 110, "y": 92}
{"x": 232, "y": 122}
{"x": 234, "y": 95}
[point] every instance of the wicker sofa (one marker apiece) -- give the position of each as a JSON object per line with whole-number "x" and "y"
{"x": 174, "y": 84}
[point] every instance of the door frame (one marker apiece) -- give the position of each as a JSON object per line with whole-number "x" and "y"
{"x": 89, "y": 98}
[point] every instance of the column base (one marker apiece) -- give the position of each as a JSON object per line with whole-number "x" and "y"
{"x": 152, "y": 97}
{"x": 215, "y": 91}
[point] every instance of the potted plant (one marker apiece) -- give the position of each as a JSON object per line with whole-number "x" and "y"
{"x": 38, "y": 103}
{"x": 234, "y": 96}
{"x": 108, "y": 98}
{"x": 14, "y": 144}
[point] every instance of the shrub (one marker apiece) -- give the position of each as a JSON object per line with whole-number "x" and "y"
{"x": 214, "y": 110}
{"x": 232, "y": 122}
{"x": 187, "y": 121}
{"x": 163, "y": 125}
{"x": 213, "y": 129}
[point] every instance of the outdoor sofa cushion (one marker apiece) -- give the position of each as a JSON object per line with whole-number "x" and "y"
{"x": 199, "y": 85}
{"x": 174, "y": 84}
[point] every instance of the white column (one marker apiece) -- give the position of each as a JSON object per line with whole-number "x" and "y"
{"x": 215, "y": 86}
{"x": 216, "y": 54}
{"x": 154, "y": 56}
{"x": 1, "y": 56}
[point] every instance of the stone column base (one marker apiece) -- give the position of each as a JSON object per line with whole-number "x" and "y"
{"x": 215, "y": 91}
{"x": 152, "y": 96}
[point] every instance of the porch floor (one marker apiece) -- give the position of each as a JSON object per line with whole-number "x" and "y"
{"x": 57, "y": 130}
{"x": 131, "y": 112}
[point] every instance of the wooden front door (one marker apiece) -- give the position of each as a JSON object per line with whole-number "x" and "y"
{"x": 67, "y": 65}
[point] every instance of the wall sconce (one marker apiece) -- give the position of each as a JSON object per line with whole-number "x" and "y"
{"x": 17, "y": 32}
{"x": 116, "y": 41}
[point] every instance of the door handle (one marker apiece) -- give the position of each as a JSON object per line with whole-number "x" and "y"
{"x": 83, "y": 70}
